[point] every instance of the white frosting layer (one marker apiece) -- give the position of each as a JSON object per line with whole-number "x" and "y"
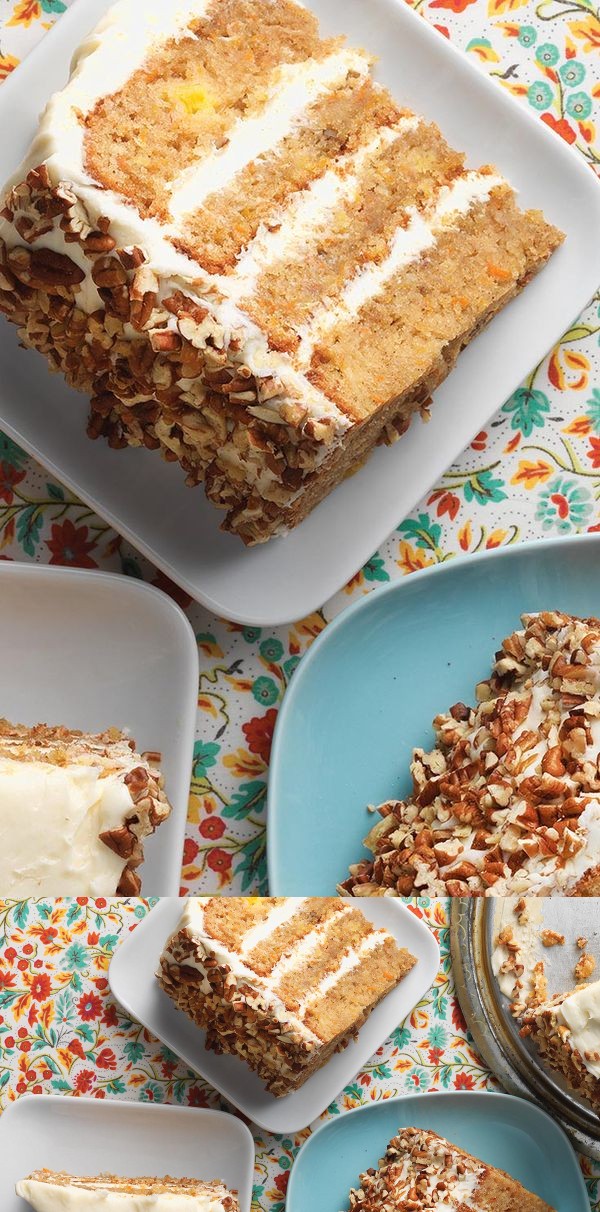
{"x": 47, "y": 1197}
{"x": 50, "y": 821}
{"x": 296, "y": 87}
{"x": 580, "y": 1012}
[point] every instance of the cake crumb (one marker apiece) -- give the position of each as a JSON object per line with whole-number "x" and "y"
{"x": 551, "y": 938}
{"x": 584, "y": 966}
{"x": 522, "y": 911}
{"x": 582, "y": 943}
{"x": 539, "y": 983}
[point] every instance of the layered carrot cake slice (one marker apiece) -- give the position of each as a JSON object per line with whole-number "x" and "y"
{"x": 508, "y": 802}
{"x": 421, "y": 1171}
{"x": 75, "y": 810}
{"x": 566, "y": 1031}
{"x": 47, "y": 1191}
{"x": 282, "y": 982}
{"x": 248, "y": 254}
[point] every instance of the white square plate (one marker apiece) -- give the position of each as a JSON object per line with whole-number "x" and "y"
{"x": 91, "y": 650}
{"x": 147, "y": 501}
{"x": 133, "y": 983}
{"x": 86, "y": 1136}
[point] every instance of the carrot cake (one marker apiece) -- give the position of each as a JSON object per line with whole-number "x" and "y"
{"x": 508, "y": 801}
{"x": 47, "y": 1191}
{"x": 566, "y": 1032}
{"x": 247, "y": 253}
{"x": 422, "y": 1171}
{"x": 74, "y": 811}
{"x": 282, "y": 982}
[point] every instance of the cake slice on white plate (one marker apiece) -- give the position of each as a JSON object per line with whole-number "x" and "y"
{"x": 281, "y": 982}
{"x": 75, "y": 810}
{"x": 251, "y": 258}
{"x": 49, "y": 1191}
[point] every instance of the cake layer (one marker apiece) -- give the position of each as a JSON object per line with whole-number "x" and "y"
{"x": 395, "y": 183}
{"x": 443, "y": 283}
{"x": 326, "y": 138}
{"x": 322, "y": 969}
{"x": 566, "y": 1032}
{"x": 508, "y": 801}
{"x": 50, "y": 1191}
{"x": 190, "y": 91}
{"x": 74, "y": 811}
{"x": 422, "y": 1171}
{"x": 246, "y": 254}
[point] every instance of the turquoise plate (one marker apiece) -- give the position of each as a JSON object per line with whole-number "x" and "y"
{"x": 504, "y": 1131}
{"x": 367, "y": 691}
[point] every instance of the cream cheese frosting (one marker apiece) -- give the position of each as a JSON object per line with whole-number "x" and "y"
{"x": 54, "y": 847}
{"x": 580, "y": 1012}
{"x": 49, "y": 1197}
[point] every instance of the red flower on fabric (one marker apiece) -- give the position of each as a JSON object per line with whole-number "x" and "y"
{"x": 593, "y": 454}
{"x": 190, "y": 851}
{"x": 110, "y": 1017}
{"x": 71, "y": 545}
{"x": 9, "y": 478}
{"x": 76, "y": 1047}
{"x": 458, "y": 1018}
{"x": 435, "y": 1055}
{"x": 259, "y": 734}
{"x": 197, "y": 1097}
{"x": 7, "y": 979}
{"x": 106, "y": 1059}
{"x": 213, "y": 828}
{"x": 464, "y": 1081}
{"x": 48, "y": 935}
{"x": 281, "y": 1181}
{"x": 561, "y": 126}
{"x": 40, "y": 987}
{"x": 84, "y": 1081}
{"x": 89, "y": 1007}
{"x": 220, "y": 861}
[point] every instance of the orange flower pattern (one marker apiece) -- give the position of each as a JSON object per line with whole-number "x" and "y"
{"x": 534, "y": 470}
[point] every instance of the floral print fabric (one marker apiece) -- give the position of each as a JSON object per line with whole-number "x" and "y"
{"x": 61, "y": 1032}
{"x": 534, "y": 471}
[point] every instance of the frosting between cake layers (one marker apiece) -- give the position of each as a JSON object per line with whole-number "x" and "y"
{"x": 49, "y": 1197}
{"x": 192, "y": 923}
{"x": 408, "y": 244}
{"x": 55, "y": 847}
{"x": 580, "y": 1012}
{"x": 294, "y": 89}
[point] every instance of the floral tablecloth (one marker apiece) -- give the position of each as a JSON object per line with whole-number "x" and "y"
{"x": 61, "y": 1032}
{"x": 534, "y": 471}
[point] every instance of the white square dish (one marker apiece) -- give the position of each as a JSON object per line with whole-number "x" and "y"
{"x": 133, "y": 983}
{"x": 91, "y": 650}
{"x": 86, "y": 1136}
{"x": 146, "y": 499}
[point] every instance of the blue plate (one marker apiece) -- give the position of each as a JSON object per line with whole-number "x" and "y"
{"x": 504, "y": 1131}
{"x": 370, "y": 686}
